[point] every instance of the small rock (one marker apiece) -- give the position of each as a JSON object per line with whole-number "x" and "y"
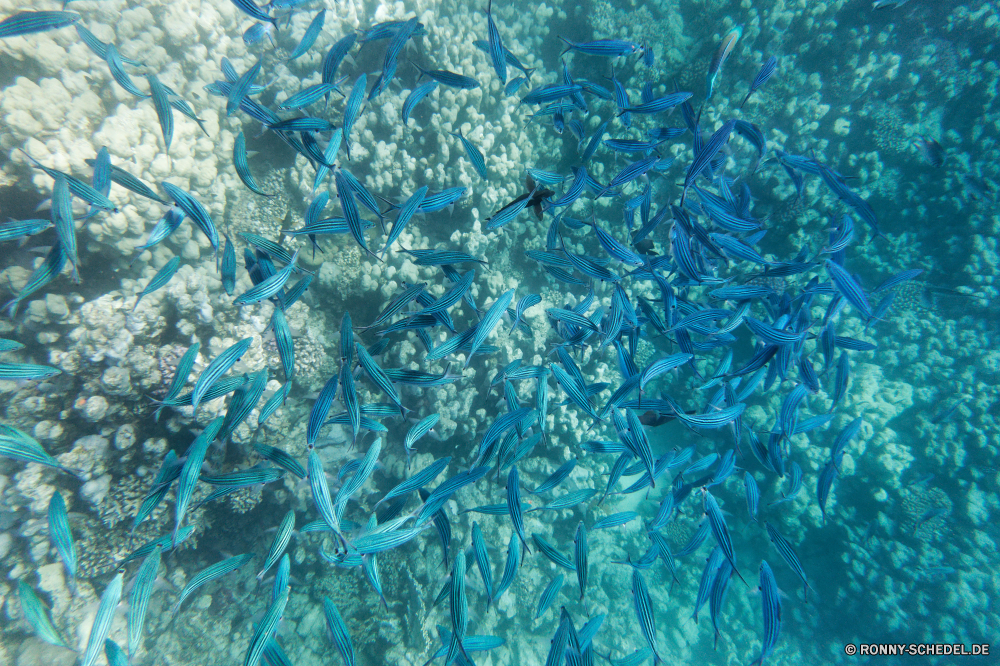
{"x": 96, "y": 490}
{"x": 95, "y": 408}
{"x": 117, "y": 381}
{"x": 125, "y": 437}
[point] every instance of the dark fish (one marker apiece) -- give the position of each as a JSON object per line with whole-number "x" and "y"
{"x": 931, "y": 151}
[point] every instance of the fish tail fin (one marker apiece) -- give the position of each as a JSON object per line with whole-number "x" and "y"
{"x": 569, "y": 46}
{"x": 11, "y": 308}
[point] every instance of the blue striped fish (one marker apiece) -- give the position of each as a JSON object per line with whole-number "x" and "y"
{"x": 309, "y": 36}
{"x": 338, "y": 631}
{"x": 210, "y": 573}
{"x": 509, "y": 570}
{"x": 475, "y": 155}
{"x": 243, "y": 167}
{"x": 580, "y": 557}
{"x": 717, "y": 523}
{"x": 30, "y": 22}
{"x": 102, "y": 623}
{"x": 138, "y": 601}
{"x": 787, "y": 553}
{"x": 644, "y": 612}
{"x": 549, "y": 595}
{"x": 771, "y": 605}
{"x": 352, "y": 109}
{"x": 459, "y": 608}
{"x": 218, "y": 367}
{"x": 415, "y": 97}
{"x": 191, "y": 471}
{"x": 162, "y": 277}
{"x": 266, "y": 629}
{"x": 496, "y": 49}
{"x": 60, "y": 534}
{"x": 37, "y": 615}
{"x": 766, "y": 70}
{"x": 489, "y": 322}
{"x": 483, "y": 562}
{"x": 514, "y": 506}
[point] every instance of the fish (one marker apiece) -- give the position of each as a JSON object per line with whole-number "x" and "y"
{"x": 256, "y": 32}
{"x": 164, "y": 112}
{"x": 352, "y": 109}
{"x": 489, "y": 322}
{"x": 218, "y": 367}
{"x": 190, "y": 473}
{"x": 309, "y": 36}
{"x": 514, "y": 507}
{"x": 37, "y": 615}
{"x": 418, "y": 480}
{"x": 787, "y": 553}
{"x": 60, "y": 534}
{"x": 365, "y": 469}
{"x": 514, "y": 85}
{"x": 720, "y": 531}
{"x": 510, "y": 569}
{"x": 497, "y": 52}
{"x": 18, "y": 445}
{"x": 483, "y": 562}
{"x": 158, "y": 281}
{"x": 210, "y": 573}
{"x": 193, "y": 209}
{"x": 459, "y": 608}
{"x": 228, "y": 267}
{"x": 250, "y": 8}
{"x": 31, "y": 22}
{"x": 335, "y": 56}
{"x": 243, "y": 167}
{"x": 849, "y": 288}
{"x": 267, "y": 627}
{"x": 752, "y": 494}
{"x": 338, "y": 632}
{"x": 138, "y": 604}
{"x": 474, "y": 154}
{"x": 705, "y": 155}
{"x": 614, "y": 520}
{"x": 102, "y": 622}
{"x": 415, "y": 97}
{"x": 451, "y": 79}
{"x": 403, "y": 217}
{"x": 420, "y": 429}
{"x": 721, "y": 55}
{"x": 241, "y": 88}
{"x": 643, "y": 606}
{"x": 658, "y": 104}
{"x": 771, "y": 605}
{"x": 345, "y": 194}
{"x": 53, "y": 264}
{"x": 549, "y": 595}
{"x": 349, "y": 396}
{"x": 765, "y": 73}
{"x": 608, "y": 48}
{"x": 269, "y": 287}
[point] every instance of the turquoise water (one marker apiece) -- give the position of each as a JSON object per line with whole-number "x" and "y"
{"x": 896, "y": 106}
